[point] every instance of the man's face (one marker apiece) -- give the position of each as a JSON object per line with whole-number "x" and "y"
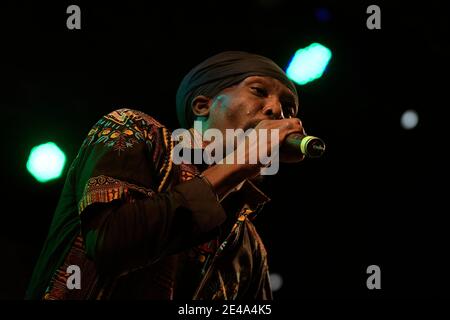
{"x": 254, "y": 99}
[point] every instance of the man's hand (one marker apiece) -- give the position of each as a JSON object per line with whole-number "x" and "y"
{"x": 224, "y": 177}
{"x": 285, "y": 127}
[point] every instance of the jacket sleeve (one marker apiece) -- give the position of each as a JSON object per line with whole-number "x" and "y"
{"x": 124, "y": 235}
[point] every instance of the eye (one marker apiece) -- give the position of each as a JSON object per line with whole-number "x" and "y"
{"x": 258, "y": 91}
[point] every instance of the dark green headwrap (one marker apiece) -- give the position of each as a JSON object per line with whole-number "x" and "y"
{"x": 222, "y": 71}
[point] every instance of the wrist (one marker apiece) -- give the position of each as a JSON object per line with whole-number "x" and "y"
{"x": 224, "y": 177}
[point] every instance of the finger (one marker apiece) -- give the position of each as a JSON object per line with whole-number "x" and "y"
{"x": 294, "y": 124}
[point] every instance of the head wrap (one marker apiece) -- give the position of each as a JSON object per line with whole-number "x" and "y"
{"x": 222, "y": 71}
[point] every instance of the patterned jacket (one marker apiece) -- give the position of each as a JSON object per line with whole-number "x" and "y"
{"x": 140, "y": 227}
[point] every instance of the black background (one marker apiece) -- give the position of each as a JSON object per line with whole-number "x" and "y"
{"x": 376, "y": 197}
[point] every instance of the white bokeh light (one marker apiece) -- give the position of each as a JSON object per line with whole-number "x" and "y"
{"x": 276, "y": 281}
{"x": 409, "y": 119}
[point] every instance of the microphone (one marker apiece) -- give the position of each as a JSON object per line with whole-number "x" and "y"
{"x": 309, "y": 146}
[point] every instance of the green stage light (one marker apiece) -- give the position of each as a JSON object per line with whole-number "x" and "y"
{"x": 46, "y": 162}
{"x": 309, "y": 63}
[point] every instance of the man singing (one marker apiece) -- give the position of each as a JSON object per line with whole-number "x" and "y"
{"x": 140, "y": 226}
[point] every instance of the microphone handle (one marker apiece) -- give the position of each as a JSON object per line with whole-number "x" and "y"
{"x": 309, "y": 146}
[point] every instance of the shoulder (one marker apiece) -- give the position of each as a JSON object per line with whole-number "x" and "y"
{"x": 125, "y": 116}
{"x": 128, "y": 123}
{"x": 124, "y": 128}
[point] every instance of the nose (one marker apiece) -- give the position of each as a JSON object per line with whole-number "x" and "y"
{"x": 273, "y": 109}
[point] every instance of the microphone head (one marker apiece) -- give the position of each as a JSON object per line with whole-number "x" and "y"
{"x": 312, "y": 147}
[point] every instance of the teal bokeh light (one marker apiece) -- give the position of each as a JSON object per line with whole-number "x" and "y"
{"x": 308, "y": 63}
{"x": 46, "y": 162}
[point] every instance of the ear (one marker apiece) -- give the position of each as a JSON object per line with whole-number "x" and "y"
{"x": 200, "y": 106}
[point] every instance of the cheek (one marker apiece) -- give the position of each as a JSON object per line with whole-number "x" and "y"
{"x": 226, "y": 107}
{"x": 237, "y": 111}
{"x": 234, "y": 111}
{"x": 220, "y": 111}
{"x": 218, "y": 107}
{"x": 251, "y": 108}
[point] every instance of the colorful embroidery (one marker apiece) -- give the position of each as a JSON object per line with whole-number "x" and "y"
{"x": 168, "y": 160}
{"x": 106, "y": 189}
{"x": 122, "y": 129}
